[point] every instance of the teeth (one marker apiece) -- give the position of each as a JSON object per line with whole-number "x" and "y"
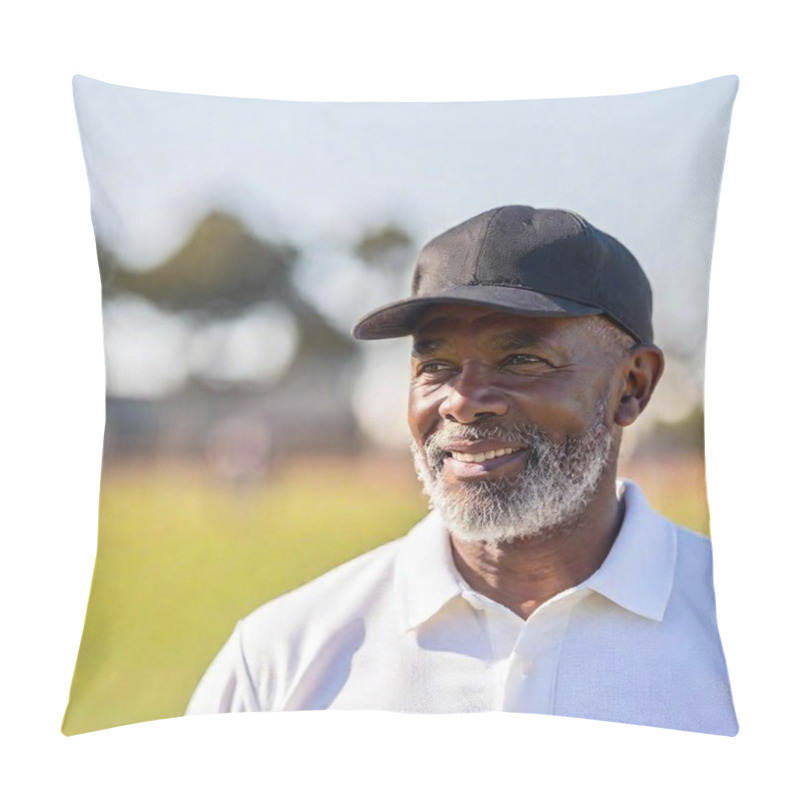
{"x": 479, "y": 458}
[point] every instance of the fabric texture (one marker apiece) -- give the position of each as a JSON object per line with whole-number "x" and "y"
{"x": 252, "y": 444}
{"x": 398, "y": 629}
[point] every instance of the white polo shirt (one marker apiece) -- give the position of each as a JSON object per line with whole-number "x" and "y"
{"x": 399, "y": 629}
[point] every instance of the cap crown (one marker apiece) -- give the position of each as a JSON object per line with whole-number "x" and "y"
{"x": 548, "y": 251}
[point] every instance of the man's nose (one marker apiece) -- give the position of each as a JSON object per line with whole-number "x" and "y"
{"x": 473, "y": 395}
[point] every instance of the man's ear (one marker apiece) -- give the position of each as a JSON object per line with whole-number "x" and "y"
{"x": 640, "y": 371}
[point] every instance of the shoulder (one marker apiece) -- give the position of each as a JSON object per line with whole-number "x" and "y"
{"x": 644, "y": 516}
{"x": 684, "y": 651}
{"x": 284, "y": 638}
{"x": 694, "y": 551}
{"x": 325, "y": 603}
{"x": 293, "y": 647}
{"x": 693, "y": 586}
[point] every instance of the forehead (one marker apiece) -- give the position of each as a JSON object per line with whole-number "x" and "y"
{"x": 445, "y": 322}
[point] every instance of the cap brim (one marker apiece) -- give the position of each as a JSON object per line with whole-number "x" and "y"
{"x": 401, "y": 318}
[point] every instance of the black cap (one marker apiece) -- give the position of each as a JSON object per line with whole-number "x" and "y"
{"x": 537, "y": 262}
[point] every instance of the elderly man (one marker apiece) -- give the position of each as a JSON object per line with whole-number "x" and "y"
{"x": 539, "y": 582}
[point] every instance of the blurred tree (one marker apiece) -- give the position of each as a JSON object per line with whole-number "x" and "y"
{"x": 389, "y": 249}
{"x": 221, "y": 271}
{"x": 686, "y": 435}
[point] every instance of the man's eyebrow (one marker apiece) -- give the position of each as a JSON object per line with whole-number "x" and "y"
{"x": 512, "y": 340}
{"x": 422, "y": 346}
{"x": 509, "y": 340}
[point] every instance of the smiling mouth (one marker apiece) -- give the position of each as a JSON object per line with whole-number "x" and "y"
{"x": 479, "y": 458}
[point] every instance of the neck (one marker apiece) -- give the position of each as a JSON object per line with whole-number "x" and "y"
{"x": 524, "y": 573}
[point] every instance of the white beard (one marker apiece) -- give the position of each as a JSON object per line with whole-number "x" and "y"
{"x": 554, "y": 487}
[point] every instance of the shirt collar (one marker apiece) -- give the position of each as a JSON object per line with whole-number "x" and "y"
{"x": 637, "y": 573}
{"x": 426, "y": 577}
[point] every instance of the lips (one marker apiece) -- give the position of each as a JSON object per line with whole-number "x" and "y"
{"x": 478, "y": 452}
{"x": 483, "y": 459}
{"x": 480, "y": 457}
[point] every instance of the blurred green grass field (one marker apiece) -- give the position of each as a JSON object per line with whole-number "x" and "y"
{"x": 181, "y": 557}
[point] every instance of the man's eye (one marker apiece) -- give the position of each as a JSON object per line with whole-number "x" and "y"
{"x": 522, "y": 360}
{"x": 435, "y": 367}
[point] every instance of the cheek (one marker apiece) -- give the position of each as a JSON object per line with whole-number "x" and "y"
{"x": 560, "y": 414}
{"x": 423, "y": 413}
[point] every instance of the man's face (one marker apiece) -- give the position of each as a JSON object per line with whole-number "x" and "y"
{"x": 509, "y": 417}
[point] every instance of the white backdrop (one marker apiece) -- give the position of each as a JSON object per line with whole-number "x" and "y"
{"x": 53, "y": 385}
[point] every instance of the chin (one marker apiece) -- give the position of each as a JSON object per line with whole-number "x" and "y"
{"x": 542, "y": 500}
{"x": 499, "y": 535}
{"x": 493, "y": 523}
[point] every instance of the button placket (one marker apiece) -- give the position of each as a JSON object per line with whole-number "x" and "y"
{"x": 533, "y": 663}
{"x": 502, "y": 626}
